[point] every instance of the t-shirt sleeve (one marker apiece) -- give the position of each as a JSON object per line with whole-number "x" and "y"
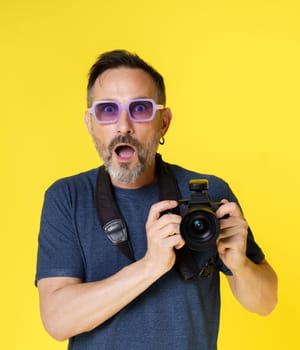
{"x": 59, "y": 253}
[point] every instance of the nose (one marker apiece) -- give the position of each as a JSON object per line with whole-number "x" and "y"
{"x": 124, "y": 124}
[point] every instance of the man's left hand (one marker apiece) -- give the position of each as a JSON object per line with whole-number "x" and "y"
{"x": 232, "y": 240}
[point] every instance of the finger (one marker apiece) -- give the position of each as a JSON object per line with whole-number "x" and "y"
{"x": 174, "y": 241}
{"x": 236, "y": 243}
{"x": 168, "y": 230}
{"x": 232, "y": 232}
{"x": 169, "y": 219}
{"x": 228, "y": 209}
{"x": 232, "y": 222}
{"x": 165, "y": 226}
{"x": 180, "y": 244}
{"x": 158, "y": 208}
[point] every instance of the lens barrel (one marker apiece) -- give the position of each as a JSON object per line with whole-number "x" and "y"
{"x": 200, "y": 228}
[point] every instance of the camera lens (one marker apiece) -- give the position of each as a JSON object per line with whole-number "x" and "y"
{"x": 200, "y": 228}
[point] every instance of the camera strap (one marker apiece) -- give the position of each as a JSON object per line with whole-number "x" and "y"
{"x": 115, "y": 228}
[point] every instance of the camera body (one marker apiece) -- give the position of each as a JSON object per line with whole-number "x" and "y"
{"x": 199, "y": 226}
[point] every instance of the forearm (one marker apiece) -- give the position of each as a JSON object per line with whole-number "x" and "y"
{"x": 255, "y": 287}
{"x": 80, "y": 307}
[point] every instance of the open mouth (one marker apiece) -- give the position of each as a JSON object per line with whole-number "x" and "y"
{"x": 124, "y": 151}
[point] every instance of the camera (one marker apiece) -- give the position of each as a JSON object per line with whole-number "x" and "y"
{"x": 199, "y": 226}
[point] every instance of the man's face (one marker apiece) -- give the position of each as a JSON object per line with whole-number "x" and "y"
{"x": 127, "y": 148}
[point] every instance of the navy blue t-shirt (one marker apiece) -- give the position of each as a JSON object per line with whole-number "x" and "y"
{"x": 172, "y": 313}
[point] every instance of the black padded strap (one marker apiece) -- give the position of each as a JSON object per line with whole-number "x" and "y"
{"x": 167, "y": 182}
{"x": 109, "y": 215}
{"x": 185, "y": 262}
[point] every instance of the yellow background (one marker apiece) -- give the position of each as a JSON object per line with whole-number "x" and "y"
{"x": 232, "y": 75}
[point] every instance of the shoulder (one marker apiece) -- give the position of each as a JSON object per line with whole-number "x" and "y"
{"x": 82, "y": 184}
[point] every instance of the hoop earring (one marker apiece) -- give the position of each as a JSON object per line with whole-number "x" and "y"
{"x": 162, "y": 141}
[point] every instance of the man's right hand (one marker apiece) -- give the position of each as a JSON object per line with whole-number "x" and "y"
{"x": 163, "y": 235}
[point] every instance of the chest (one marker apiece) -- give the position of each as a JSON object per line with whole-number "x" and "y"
{"x": 101, "y": 258}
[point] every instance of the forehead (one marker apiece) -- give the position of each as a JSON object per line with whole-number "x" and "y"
{"x": 123, "y": 84}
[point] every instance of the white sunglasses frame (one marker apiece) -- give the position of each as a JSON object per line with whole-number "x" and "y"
{"x": 125, "y": 107}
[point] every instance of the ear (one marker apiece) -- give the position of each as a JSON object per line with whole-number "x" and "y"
{"x": 166, "y": 120}
{"x": 88, "y": 121}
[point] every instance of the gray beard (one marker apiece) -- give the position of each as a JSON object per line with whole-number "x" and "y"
{"x": 123, "y": 173}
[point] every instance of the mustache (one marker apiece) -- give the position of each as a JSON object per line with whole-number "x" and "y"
{"x": 124, "y": 139}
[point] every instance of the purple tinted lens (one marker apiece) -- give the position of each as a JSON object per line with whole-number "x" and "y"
{"x": 106, "y": 111}
{"x": 141, "y": 110}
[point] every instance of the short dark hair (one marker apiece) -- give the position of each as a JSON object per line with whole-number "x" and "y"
{"x": 123, "y": 58}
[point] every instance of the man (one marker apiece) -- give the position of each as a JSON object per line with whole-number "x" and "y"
{"x": 93, "y": 294}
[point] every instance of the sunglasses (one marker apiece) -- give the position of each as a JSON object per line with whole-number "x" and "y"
{"x": 138, "y": 110}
